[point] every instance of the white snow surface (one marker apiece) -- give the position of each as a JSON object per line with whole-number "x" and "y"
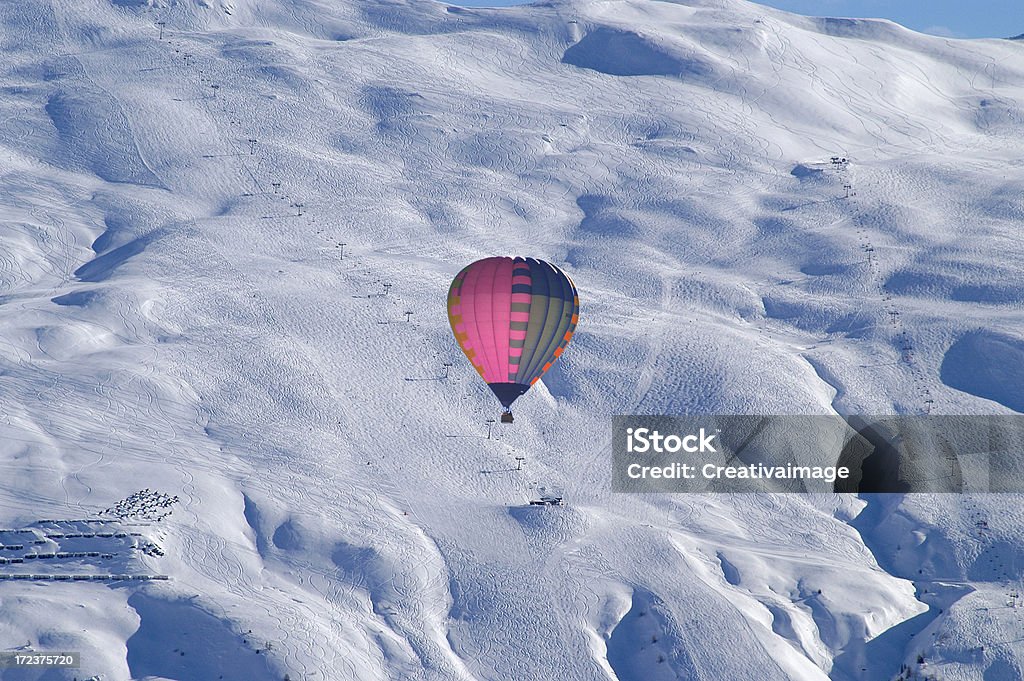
{"x": 177, "y": 313}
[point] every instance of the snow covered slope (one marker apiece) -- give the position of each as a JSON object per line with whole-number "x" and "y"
{"x": 203, "y": 199}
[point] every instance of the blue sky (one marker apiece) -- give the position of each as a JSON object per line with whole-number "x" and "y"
{"x": 957, "y": 18}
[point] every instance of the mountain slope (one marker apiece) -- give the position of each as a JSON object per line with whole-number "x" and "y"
{"x": 204, "y": 200}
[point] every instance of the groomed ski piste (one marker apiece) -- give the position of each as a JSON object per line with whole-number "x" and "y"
{"x": 227, "y": 230}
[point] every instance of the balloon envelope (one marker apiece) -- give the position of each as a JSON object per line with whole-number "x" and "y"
{"x": 513, "y": 318}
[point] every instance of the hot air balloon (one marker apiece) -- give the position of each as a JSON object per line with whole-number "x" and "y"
{"x": 513, "y": 318}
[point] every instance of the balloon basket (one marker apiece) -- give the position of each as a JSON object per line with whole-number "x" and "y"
{"x": 506, "y": 417}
